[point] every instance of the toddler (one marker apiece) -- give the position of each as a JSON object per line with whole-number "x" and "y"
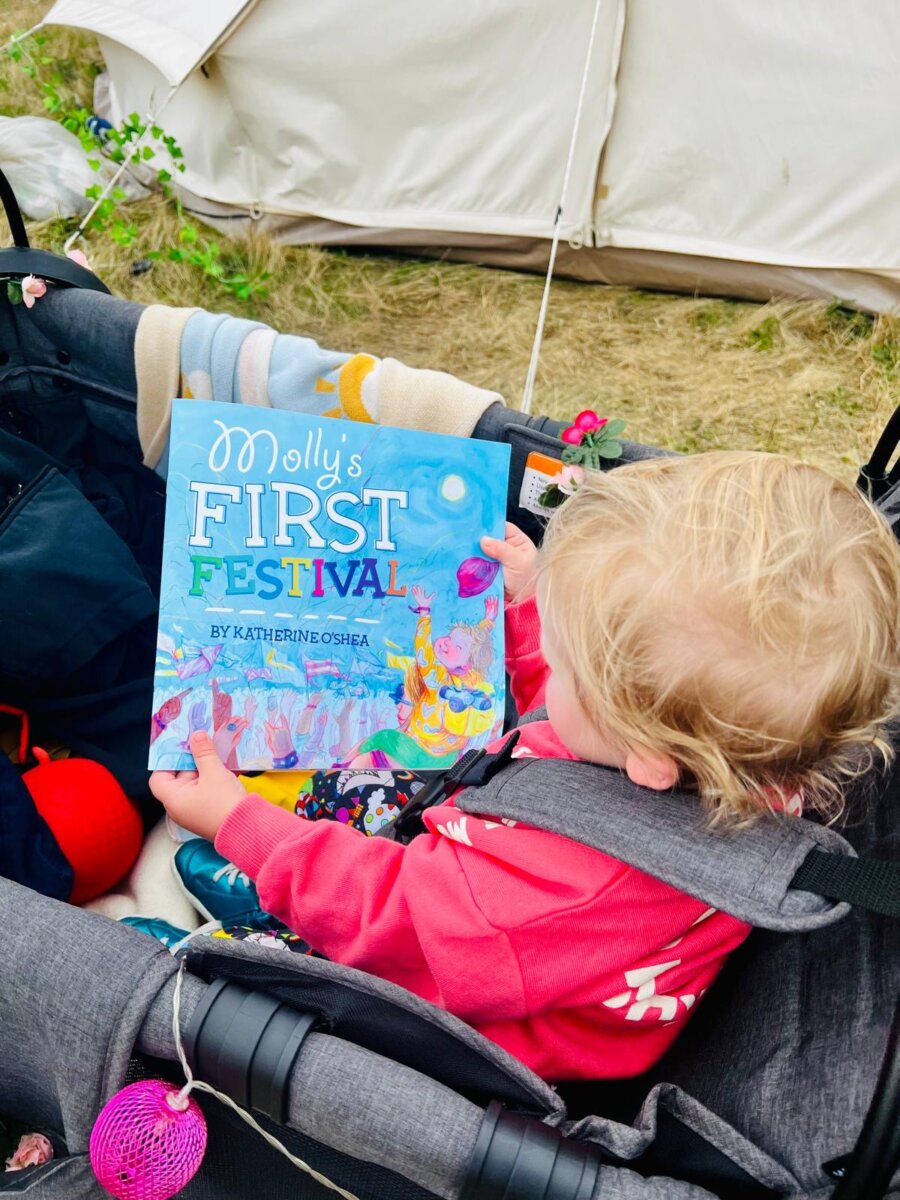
{"x": 724, "y": 623}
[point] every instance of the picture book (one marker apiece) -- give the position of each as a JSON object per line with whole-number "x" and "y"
{"x": 324, "y": 598}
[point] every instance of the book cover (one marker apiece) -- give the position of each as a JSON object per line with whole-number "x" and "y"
{"x": 324, "y": 598}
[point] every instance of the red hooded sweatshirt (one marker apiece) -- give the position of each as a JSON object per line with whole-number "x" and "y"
{"x": 580, "y": 966}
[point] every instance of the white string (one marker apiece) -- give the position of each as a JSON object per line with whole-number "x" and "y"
{"x": 209, "y": 928}
{"x": 151, "y": 119}
{"x": 198, "y": 1085}
{"x": 528, "y": 392}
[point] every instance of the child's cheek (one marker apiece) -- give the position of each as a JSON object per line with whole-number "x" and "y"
{"x": 569, "y": 722}
{"x": 551, "y": 700}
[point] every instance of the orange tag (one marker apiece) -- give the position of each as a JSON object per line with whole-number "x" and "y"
{"x": 540, "y": 471}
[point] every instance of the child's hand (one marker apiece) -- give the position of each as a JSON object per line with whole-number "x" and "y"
{"x": 517, "y": 554}
{"x": 199, "y": 800}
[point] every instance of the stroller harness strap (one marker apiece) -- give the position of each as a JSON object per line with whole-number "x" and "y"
{"x": 474, "y": 769}
{"x": 749, "y": 873}
{"x": 870, "y": 883}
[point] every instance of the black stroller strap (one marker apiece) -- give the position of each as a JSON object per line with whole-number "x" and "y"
{"x": 870, "y": 883}
{"x": 13, "y": 212}
{"x": 20, "y": 259}
{"x": 475, "y": 768}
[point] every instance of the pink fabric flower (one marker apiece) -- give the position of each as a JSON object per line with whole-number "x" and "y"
{"x": 569, "y": 478}
{"x": 79, "y": 257}
{"x": 588, "y": 421}
{"x": 33, "y": 1149}
{"x": 572, "y": 435}
{"x": 32, "y": 289}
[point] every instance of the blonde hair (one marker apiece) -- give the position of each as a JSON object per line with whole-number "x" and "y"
{"x": 737, "y": 612}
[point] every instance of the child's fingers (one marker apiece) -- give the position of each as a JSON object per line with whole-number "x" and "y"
{"x": 159, "y": 782}
{"x": 515, "y": 537}
{"x": 163, "y": 784}
{"x": 507, "y": 555}
{"x": 169, "y": 781}
{"x": 206, "y": 756}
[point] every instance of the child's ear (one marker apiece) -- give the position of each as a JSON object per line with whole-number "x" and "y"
{"x": 650, "y": 770}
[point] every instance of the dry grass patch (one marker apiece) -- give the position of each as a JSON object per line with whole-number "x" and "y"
{"x": 685, "y": 372}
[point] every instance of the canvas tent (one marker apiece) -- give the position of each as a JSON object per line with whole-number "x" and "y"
{"x": 729, "y": 147}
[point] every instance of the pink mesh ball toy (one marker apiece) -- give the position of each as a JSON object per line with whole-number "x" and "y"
{"x": 148, "y": 1142}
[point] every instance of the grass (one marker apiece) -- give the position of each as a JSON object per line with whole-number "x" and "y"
{"x": 690, "y": 373}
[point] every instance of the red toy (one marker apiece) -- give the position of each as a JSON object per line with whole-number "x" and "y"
{"x": 97, "y": 827}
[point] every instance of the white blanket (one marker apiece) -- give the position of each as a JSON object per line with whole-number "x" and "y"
{"x": 149, "y": 889}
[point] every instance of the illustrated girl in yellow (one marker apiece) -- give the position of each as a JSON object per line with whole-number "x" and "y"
{"x": 448, "y": 699}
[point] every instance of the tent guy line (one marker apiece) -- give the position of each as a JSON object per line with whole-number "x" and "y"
{"x": 528, "y": 392}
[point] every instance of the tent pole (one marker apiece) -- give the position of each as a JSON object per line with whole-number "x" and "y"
{"x": 18, "y": 38}
{"x": 150, "y": 119}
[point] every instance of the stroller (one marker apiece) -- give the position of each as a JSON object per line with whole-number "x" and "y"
{"x": 785, "y": 1084}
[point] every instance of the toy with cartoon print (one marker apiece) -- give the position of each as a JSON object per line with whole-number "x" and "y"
{"x": 367, "y": 798}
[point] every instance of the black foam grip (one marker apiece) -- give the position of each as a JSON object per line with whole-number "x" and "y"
{"x": 521, "y": 1158}
{"x": 245, "y": 1044}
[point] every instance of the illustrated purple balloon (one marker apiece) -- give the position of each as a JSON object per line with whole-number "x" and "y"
{"x": 475, "y": 575}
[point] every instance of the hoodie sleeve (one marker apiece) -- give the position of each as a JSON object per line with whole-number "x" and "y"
{"x": 528, "y": 672}
{"x": 371, "y": 903}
